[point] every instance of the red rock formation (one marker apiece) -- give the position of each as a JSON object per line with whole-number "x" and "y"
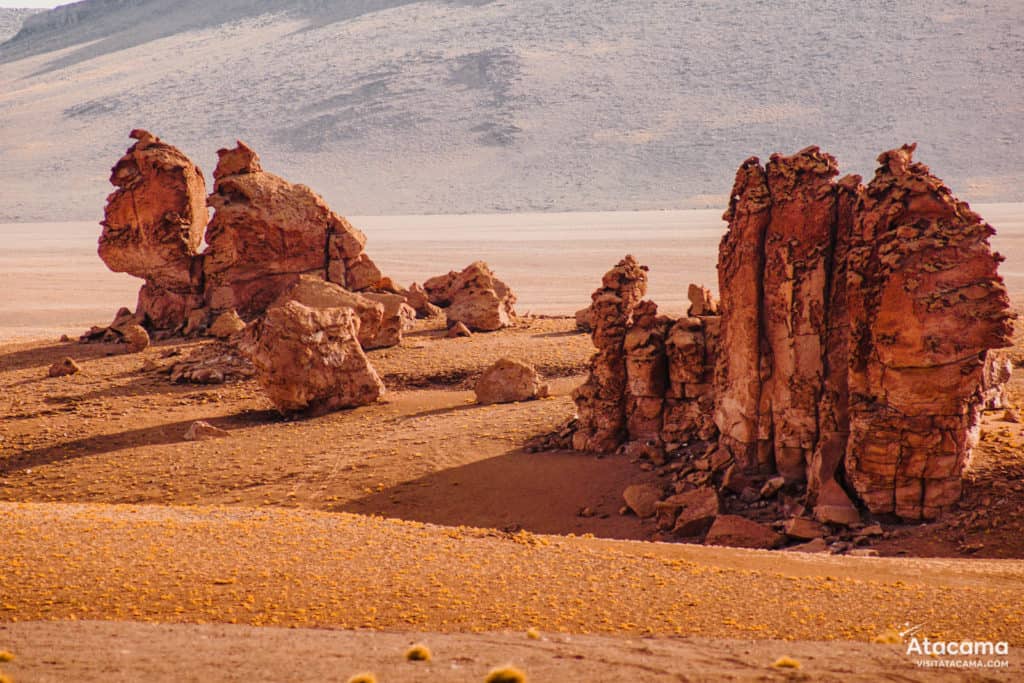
{"x": 153, "y": 226}
{"x": 508, "y": 381}
{"x": 926, "y": 304}
{"x": 601, "y": 401}
{"x": 475, "y": 297}
{"x": 853, "y": 352}
{"x": 266, "y": 232}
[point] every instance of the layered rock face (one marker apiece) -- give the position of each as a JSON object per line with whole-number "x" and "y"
{"x": 266, "y": 232}
{"x": 601, "y": 401}
{"x": 309, "y": 360}
{"x": 926, "y": 304}
{"x": 852, "y": 354}
{"x": 867, "y": 325}
{"x": 153, "y": 226}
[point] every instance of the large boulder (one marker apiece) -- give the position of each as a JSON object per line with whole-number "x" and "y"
{"x": 478, "y": 299}
{"x": 309, "y": 360}
{"x": 315, "y": 292}
{"x": 153, "y": 226}
{"x": 507, "y": 381}
{"x": 266, "y": 232}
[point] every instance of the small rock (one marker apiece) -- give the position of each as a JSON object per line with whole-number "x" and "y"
{"x": 772, "y": 486}
{"x": 227, "y": 324}
{"x": 803, "y": 529}
{"x": 749, "y": 495}
{"x": 863, "y": 552}
{"x": 1011, "y": 415}
{"x": 508, "y": 381}
{"x": 816, "y": 545}
{"x": 65, "y": 366}
{"x": 872, "y": 530}
{"x": 642, "y": 499}
{"x": 458, "y": 330}
{"x": 689, "y": 513}
{"x": 135, "y": 336}
{"x": 586, "y": 512}
{"x": 202, "y": 431}
{"x": 740, "y": 532}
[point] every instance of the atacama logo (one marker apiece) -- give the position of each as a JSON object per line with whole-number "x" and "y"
{"x": 957, "y": 654}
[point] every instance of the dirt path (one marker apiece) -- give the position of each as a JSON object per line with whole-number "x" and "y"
{"x": 118, "y": 652}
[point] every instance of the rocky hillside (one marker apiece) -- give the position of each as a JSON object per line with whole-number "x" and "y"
{"x": 398, "y": 106}
{"x": 11, "y": 20}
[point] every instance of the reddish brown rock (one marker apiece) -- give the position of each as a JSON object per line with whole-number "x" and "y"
{"x": 601, "y": 400}
{"x": 227, "y": 324}
{"x": 690, "y": 513}
{"x": 646, "y": 372}
{"x": 135, "y": 336}
{"x": 201, "y": 430}
{"x": 64, "y": 367}
{"x": 927, "y": 306}
{"x": 702, "y": 302}
{"x": 153, "y": 226}
{"x": 416, "y": 296}
{"x": 585, "y": 319}
{"x": 309, "y": 360}
{"x": 438, "y": 289}
{"x": 399, "y": 317}
{"x": 458, "y": 330}
{"x": 266, "y": 232}
{"x": 508, "y": 381}
{"x": 740, "y": 532}
{"x": 312, "y": 291}
{"x": 478, "y": 299}
{"x": 642, "y": 499}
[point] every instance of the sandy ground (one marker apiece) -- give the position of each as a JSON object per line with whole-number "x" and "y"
{"x": 109, "y": 514}
{"x": 130, "y": 652}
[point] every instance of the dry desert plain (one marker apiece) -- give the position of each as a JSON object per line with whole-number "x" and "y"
{"x": 314, "y": 549}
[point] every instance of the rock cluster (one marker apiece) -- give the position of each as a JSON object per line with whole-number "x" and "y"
{"x": 474, "y": 297}
{"x": 851, "y": 357}
{"x": 650, "y": 380}
{"x": 265, "y": 236}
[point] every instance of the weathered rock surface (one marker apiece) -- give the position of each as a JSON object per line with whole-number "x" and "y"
{"x": 214, "y": 363}
{"x": 201, "y": 430}
{"x": 398, "y": 318}
{"x": 309, "y": 360}
{"x": 417, "y": 297}
{"x": 740, "y": 532}
{"x": 227, "y": 323}
{"x": 153, "y": 226}
{"x": 690, "y": 513}
{"x": 642, "y": 499}
{"x": 315, "y": 292}
{"x": 927, "y": 305}
{"x": 475, "y": 298}
{"x": 458, "y": 330}
{"x": 266, "y": 232}
{"x": 601, "y": 400}
{"x": 507, "y": 381}
{"x": 64, "y": 367}
{"x": 135, "y": 336}
{"x": 854, "y": 350}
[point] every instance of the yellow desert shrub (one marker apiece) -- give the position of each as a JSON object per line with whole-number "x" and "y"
{"x": 786, "y": 663}
{"x": 363, "y": 678}
{"x": 505, "y": 674}
{"x": 418, "y": 653}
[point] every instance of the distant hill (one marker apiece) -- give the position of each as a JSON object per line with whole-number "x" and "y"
{"x": 12, "y": 19}
{"x": 398, "y": 106}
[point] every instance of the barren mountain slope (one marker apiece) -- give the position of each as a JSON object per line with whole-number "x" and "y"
{"x": 11, "y": 20}
{"x": 391, "y": 106}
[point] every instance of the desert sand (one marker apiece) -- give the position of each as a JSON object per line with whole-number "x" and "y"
{"x": 421, "y": 516}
